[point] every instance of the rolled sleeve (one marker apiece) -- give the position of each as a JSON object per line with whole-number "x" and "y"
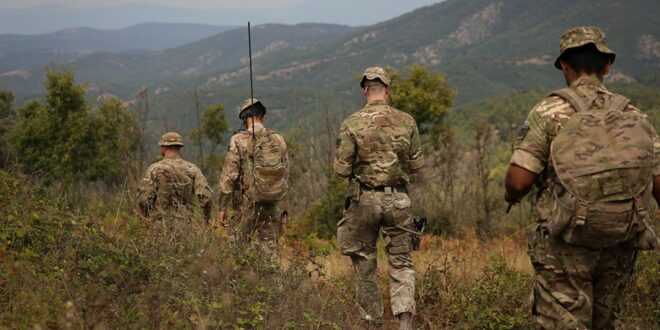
{"x": 527, "y": 161}
{"x": 345, "y": 155}
{"x": 533, "y": 147}
{"x": 231, "y": 168}
{"x": 416, "y": 156}
{"x": 343, "y": 170}
{"x": 656, "y": 147}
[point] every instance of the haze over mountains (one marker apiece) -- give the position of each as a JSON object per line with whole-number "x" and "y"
{"x": 42, "y": 16}
{"x": 485, "y": 48}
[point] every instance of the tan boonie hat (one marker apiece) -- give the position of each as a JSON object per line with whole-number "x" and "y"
{"x": 171, "y": 139}
{"x": 375, "y": 72}
{"x": 247, "y": 104}
{"x": 580, "y": 36}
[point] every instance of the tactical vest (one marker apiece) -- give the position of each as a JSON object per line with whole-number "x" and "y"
{"x": 604, "y": 161}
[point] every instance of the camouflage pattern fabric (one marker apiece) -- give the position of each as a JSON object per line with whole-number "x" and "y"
{"x": 603, "y": 158}
{"x": 580, "y": 36}
{"x": 262, "y": 220}
{"x": 357, "y": 234}
{"x": 169, "y": 187}
{"x": 270, "y": 175}
{"x": 380, "y": 148}
{"x": 373, "y": 73}
{"x": 237, "y": 180}
{"x": 379, "y": 145}
{"x": 171, "y": 139}
{"x": 559, "y": 300}
{"x": 246, "y": 104}
{"x": 577, "y": 287}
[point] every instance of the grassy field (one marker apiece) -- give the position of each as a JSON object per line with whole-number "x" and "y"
{"x": 105, "y": 268}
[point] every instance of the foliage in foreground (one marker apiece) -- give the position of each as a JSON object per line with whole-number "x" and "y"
{"x": 105, "y": 268}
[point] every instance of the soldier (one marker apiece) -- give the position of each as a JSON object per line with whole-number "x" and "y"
{"x": 255, "y": 174}
{"x": 594, "y": 158}
{"x": 378, "y": 149}
{"x": 170, "y": 185}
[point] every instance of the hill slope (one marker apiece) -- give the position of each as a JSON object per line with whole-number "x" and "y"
{"x": 123, "y": 72}
{"x": 485, "y": 47}
{"x": 28, "y": 51}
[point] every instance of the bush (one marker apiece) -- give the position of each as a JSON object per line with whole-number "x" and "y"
{"x": 496, "y": 300}
{"x": 106, "y": 268}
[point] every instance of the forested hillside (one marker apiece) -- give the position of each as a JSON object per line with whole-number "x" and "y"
{"x": 484, "y": 47}
{"x": 75, "y": 140}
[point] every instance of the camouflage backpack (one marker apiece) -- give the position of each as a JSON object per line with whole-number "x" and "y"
{"x": 175, "y": 189}
{"x": 269, "y": 182}
{"x": 603, "y": 159}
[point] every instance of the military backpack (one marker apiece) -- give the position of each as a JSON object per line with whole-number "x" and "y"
{"x": 604, "y": 160}
{"x": 269, "y": 182}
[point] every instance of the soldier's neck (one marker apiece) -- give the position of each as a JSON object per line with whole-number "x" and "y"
{"x": 373, "y": 100}
{"x": 256, "y": 124}
{"x": 171, "y": 154}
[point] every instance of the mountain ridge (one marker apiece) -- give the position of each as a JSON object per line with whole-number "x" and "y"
{"x": 483, "y": 47}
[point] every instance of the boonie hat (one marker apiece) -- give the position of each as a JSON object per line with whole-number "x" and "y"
{"x": 580, "y": 36}
{"x": 375, "y": 72}
{"x": 171, "y": 139}
{"x": 247, "y": 104}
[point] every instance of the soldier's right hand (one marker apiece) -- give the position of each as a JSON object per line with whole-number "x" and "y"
{"x": 224, "y": 218}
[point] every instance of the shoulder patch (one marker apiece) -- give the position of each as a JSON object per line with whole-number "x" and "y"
{"x": 523, "y": 130}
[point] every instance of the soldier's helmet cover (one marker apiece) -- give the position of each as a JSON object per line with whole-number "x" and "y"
{"x": 248, "y": 103}
{"x": 171, "y": 139}
{"x": 375, "y": 72}
{"x": 580, "y": 36}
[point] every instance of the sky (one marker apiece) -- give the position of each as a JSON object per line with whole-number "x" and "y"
{"x": 202, "y": 4}
{"x": 41, "y": 16}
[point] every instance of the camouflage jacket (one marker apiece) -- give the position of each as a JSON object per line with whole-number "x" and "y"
{"x": 236, "y": 177}
{"x": 532, "y": 150}
{"x": 379, "y": 145}
{"x": 169, "y": 187}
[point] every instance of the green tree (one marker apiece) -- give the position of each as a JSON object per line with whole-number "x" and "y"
{"x": 63, "y": 138}
{"x": 211, "y": 130}
{"x": 425, "y": 95}
{"x": 7, "y": 119}
{"x": 116, "y": 133}
{"x": 214, "y": 125}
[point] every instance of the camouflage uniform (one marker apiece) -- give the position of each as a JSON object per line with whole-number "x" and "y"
{"x": 169, "y": 187}
{"x": 575, "y": 287}
{"x": 378, "y": 148}
{"x": 236, "y": 180}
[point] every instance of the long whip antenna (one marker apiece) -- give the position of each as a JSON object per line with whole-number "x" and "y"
{"x": 254, "y": 136}
{"x": 251, "y": 85}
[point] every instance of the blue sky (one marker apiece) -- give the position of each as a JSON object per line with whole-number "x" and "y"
{"x": 39, "y": 16}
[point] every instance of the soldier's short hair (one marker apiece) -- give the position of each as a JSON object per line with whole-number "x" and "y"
{"x": 373, "y": 84}
{"x": 586, "y": 59}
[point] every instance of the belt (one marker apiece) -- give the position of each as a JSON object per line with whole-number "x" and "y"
{"x": 398, "y": 188}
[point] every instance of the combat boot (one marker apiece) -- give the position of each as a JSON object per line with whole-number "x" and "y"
{"x": 405, "y": 321}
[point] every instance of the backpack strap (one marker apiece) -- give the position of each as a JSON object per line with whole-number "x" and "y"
{"x": 573, "y": 98}
{"x": 619, "y": 102}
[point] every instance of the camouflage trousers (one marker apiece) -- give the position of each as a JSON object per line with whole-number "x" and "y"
{"x": 261, "y": 220}
{"x": 577, "y": 287}
{"x": 357, "y": 233}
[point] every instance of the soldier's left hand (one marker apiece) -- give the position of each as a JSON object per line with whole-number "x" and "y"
{"x": 223, "y": 218}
